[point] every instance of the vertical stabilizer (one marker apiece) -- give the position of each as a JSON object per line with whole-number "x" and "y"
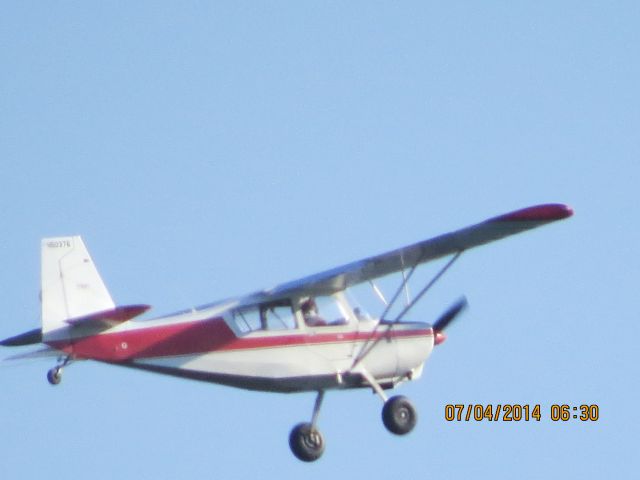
{"x": 70, "y": 282}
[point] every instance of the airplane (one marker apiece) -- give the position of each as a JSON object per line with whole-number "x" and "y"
{"x": 300, "y": 336}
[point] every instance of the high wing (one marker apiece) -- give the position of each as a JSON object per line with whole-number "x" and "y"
{"x": 340, "y": 278}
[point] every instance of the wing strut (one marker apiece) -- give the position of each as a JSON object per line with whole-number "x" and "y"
{"x": 379, "y": 294}
{"x": 389, "y": 306}
{"x": 407, "y": 295}
{"x": 372, "y": 341}
{"x": 406, "y": 285}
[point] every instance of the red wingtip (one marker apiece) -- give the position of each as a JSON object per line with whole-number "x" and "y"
{"x": 539, "y": 213}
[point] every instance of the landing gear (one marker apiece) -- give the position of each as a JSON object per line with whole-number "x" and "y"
{"x": 54, "y": 376}
{"x": 305, "y": 440}
{"x": 399, "y": 415}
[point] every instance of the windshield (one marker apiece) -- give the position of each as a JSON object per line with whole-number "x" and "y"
{"x": 332, "y": 310}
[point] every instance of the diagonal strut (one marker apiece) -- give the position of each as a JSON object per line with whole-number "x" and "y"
{"x": 371, "y": 342}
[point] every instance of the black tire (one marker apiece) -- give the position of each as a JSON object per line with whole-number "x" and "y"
{"x": 306, "y": 442}
{"x": 54, "y": 376}
{"x": 399, "y": 415}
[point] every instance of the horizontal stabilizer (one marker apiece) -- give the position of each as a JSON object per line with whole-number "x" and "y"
{"x": 42, "y": 353}
{"x": 32, "y": 337}
{"x": 108, "y": 318}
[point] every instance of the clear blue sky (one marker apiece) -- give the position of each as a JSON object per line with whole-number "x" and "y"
{"x": 208, "y": 149}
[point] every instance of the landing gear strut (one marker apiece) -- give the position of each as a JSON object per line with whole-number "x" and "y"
{"x": 305, "y": 440}
{"x": 54, "y": 376}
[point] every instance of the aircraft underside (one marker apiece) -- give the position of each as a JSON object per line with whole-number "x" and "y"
{"x": 306, "y": 367}
{"x": 264, "y": 384}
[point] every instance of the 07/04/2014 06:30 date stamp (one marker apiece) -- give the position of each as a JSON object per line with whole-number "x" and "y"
{"x": 514, "y": 412}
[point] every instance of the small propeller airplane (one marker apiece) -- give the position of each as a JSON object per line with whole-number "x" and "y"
{"x": 305, "y": 335}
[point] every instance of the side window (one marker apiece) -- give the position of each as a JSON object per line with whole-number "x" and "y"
{"x": 266, "y": 317}
{"x": 278, "y": 317}
{"x": 247, "y": 320}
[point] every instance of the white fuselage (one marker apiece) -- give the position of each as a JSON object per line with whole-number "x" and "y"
{"x": 207, "y": 345}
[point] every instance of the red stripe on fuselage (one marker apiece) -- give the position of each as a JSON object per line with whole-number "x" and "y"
{"x": 201, "y": 337}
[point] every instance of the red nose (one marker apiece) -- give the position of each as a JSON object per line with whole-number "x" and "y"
{"x": 439, "y": 338}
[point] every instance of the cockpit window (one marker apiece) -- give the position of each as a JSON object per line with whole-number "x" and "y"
{"x": 247, "y": 320}
{"x": 278, "y": 317}
{"x": 267, "y": 317}
{"x": 323, "y": 311}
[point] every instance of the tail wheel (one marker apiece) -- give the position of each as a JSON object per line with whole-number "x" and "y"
{"x": 54, "y": 375}
{"x": 306, "y": 442}
{"x": 399, "y": 415}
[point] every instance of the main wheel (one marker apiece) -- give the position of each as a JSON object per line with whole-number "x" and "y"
{"x": 399, "y": 415}
{"x": 54, "y": 375}
{"x": 306, "y": 442}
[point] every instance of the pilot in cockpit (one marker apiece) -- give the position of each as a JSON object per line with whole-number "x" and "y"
{"x": 310, "y": 313}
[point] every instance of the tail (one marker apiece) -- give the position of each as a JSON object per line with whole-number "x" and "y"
{"x": 72, "y": 295}
{"x": 71, "y": 286}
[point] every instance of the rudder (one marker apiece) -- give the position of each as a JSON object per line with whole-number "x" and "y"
{"x": 71, "y": 286}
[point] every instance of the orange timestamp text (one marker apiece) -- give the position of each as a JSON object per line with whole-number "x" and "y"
{"x": 515, "y": 412}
